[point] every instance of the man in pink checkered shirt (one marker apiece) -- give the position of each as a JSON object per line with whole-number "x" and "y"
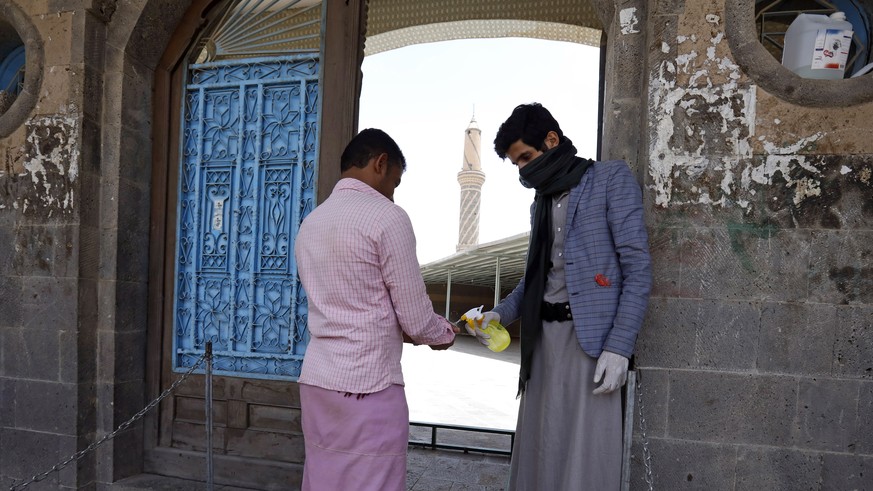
{"x": 356, "y": 259}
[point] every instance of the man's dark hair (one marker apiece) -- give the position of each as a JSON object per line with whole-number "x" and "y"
{"x": 370, "y": 143}
{"x": 529, "y": 123}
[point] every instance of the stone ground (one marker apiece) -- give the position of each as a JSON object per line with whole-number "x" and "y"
{"x": 428, "y": 470}
{"x": 467, "y": 385}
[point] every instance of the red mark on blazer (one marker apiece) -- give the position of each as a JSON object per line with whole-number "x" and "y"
{"x": 602, "y": 280}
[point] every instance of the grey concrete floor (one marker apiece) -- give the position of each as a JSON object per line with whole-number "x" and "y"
{"x": 466, "y": 385}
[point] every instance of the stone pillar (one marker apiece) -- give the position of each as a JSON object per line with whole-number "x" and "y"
{"x": 471, "y": 179}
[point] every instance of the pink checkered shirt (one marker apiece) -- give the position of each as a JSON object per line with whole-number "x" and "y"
{"x": 356, "y": 259}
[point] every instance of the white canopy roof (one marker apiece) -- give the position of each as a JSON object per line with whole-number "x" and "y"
{"x": 480, "y": 265}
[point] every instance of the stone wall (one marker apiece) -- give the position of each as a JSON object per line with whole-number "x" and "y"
{"x": 757, "y": 355}
{"x": 74, "y": 228}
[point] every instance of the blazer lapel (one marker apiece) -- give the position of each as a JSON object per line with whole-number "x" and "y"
{"x": 576, "y": 194}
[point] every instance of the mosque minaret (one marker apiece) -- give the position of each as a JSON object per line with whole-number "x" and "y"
{"x": 471, "y": 179}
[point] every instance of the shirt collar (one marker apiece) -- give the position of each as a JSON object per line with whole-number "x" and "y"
{"x": 353, "y": 184}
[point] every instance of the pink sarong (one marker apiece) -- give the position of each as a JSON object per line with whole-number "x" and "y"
{"x": 354, "y": 443}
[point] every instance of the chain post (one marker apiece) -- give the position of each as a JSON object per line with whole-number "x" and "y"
{"x": 209, "y": 469}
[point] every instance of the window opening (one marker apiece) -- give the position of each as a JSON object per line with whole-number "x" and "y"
{"x": 12, "y": 58}
{"x": 772, "y": 19}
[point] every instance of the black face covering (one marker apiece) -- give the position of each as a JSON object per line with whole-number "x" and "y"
{"x": 555, "y": 171}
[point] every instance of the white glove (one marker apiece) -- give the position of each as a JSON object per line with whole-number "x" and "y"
{"x": 612, "y": 369}
{"x": 482, "y": 337}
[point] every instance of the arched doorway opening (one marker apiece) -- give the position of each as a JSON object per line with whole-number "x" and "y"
{"x": 344, "y": 40}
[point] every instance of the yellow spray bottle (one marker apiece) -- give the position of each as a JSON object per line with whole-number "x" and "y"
{"x": 499, "y": 337}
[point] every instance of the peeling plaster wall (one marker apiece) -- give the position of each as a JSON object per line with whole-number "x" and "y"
{"x": 757, "y": 354}
{"x": 705, "y": 131}
{"x": 51, "y": 231}
{"x": 41, "y": 173}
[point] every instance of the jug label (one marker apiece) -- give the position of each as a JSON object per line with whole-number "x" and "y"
{"x": 831, "y": 49}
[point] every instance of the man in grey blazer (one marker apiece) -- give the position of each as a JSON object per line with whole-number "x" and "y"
{"x": 581, "y": 304}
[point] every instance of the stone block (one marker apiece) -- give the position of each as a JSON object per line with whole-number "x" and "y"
{"x": 731, "y": 408}
{"x": 36, "y": 7}
{"x": 681, "y": 465}
{"x": 847, "y": 129}
{"x": 7, "y": 409}
{"x": 61, "y": 85}
{"x": 135, "y": 164}
{"x": 727, "y": 334}
{"x": 62, "y": 43}
{"x": 49, "y": 303}
{"x": 8, "y": 232}
{"x": 785, "y": 258}
{"x": 714, "y": 266}
{"x": 36, "y": 250}
{"x": 668, "y": 7}
{"x": 34, "y": 452}
{"x": 131, "y": 307}
{"x": 744, "y": 261}
{"x": 827, "y": 415}
{"x": 108, "y": 254}
{"x": 91, "y": 147}
{"x": 129, "y": 349}
{"x": 840, "y": 270}
{"x": 89, "y": 252}
{"x": 136, "y": 98}
{"x": 46, "y": 406}
{"x": 46, "y": 250}
{"x": 86, "y": 415}
{"x": 846, "y": 471}
{"x": 654, "y": 393}
{"x": 777, "y": 469}
{"x": 133, "y": 233}
{"x": 865, "y": 421}
{"x": 821, "y": 192}
{"x": 666, "y": 266}
{"x": 127, "y": 452}
{"x": 797, "y": 338}
{"x": 853, "y": 349}
{"x": 30, "y": 353}
{"x": 669, "y": 331}
{"x": 10, "y": 301}
{"x": 149, "y": 39}
{"x": 69, "y": 356}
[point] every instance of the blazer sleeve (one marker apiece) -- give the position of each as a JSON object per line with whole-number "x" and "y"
{"x": 509, "y": 308}
{"x": 627, "y": 226}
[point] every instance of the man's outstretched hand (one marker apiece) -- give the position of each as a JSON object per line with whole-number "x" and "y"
{"x": 440, "y": 347}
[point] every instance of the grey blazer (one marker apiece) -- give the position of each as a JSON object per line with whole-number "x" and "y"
{"x": 608, "y": 267}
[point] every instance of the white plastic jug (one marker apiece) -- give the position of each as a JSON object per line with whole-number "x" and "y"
{"x": 817, "y": 46}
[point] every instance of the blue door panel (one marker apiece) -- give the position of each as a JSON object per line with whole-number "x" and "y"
{"x": 247, "y": 177}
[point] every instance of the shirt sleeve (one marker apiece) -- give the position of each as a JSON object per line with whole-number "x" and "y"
{"x": 402, "y": 276}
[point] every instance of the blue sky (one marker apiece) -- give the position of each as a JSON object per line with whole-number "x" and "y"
{"x": 423, "y": 96}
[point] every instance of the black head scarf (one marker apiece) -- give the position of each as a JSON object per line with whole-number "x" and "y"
{"x": 555, "y": 171}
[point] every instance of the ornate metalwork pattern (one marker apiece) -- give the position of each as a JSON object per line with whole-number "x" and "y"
{"x": 247, "y": 180}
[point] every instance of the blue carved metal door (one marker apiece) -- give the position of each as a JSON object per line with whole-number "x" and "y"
{"x": 247, "y": 176}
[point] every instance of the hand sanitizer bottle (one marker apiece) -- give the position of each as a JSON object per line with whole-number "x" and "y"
{"x": 499, "y": 339}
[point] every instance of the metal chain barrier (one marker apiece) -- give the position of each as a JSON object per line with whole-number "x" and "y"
{"x": 123, "y": 426}
{"x": 647, "y": 456}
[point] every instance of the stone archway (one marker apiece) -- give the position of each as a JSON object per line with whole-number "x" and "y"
{"x": 142, "y": 54}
